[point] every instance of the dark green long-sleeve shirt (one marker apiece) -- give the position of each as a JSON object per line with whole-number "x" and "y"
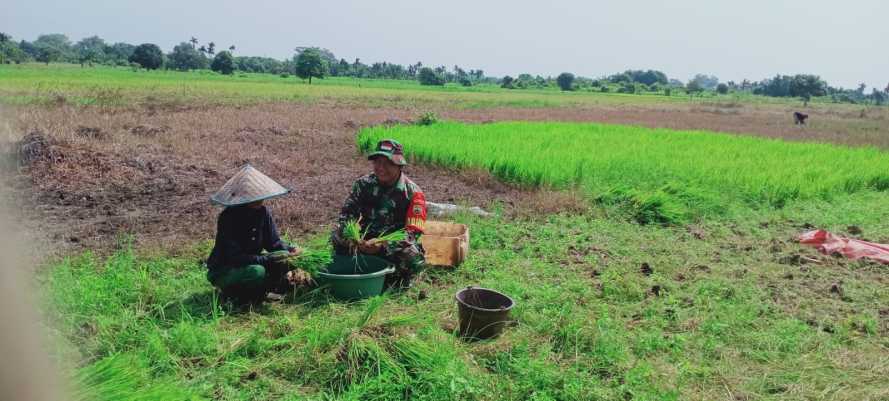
{"x": 242, "y": 234}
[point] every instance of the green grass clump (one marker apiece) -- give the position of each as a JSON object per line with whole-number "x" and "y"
{"x": 662, "y": 176}
{"x": 125, "y": 378}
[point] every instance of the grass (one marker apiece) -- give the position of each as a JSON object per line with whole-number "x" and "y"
{"x": 125, "y": 378}
{"x": 726, "y": 309}
{"x": 724, "y": 313}
{"x": 590, "y": 325}
{"x": 114, "y": 87}
{"x": 665, "y": 176}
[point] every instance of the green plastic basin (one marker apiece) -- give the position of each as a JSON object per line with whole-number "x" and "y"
{"x": 349, "y": 278}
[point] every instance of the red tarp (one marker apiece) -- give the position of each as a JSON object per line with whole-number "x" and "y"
{"x": 829, "y": 244}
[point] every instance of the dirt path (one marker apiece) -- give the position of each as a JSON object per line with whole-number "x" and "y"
{"x": 98, "y": 175}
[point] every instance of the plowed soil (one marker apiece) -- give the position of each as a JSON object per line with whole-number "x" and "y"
{"x": 88, "y": 177}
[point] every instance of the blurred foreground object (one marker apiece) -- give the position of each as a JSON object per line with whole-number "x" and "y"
{"x": 26, "y": 372}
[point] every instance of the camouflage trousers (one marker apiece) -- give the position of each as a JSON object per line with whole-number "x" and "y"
{"x": 250, "y": 283}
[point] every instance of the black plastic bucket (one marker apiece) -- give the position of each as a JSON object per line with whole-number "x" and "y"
{"x": 483, "y": 312}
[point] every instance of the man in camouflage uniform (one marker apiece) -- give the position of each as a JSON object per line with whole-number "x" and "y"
{"x": 386, "y": 201}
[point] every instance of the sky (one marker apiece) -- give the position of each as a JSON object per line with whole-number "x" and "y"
{"x": 845, "y": 42}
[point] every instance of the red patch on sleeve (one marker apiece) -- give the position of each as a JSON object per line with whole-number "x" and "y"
{"x": 416, "y": 213}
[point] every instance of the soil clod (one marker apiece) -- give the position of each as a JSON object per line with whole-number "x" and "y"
{"x": 837, "y": 288}
{"x": 656, "y": 290}
{"x": 697, "y": 232}
{"x": 34, "y": 147}
{"x": 701, "y": 268}
{"x": 395, "y": 121}
{"x": 149, "y": 130}
{"x": 90, "y": 132}
{"x": 797, "y": 260}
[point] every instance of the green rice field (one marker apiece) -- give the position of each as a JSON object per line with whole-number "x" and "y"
{"x": 665, "y": 175}
{"x": 113, "y": 87}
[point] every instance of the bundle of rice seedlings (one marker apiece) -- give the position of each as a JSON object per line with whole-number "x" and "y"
{"x": 352, "y": 230}
{"x": 312, "y": 260}
{"x": 395, "y": 236}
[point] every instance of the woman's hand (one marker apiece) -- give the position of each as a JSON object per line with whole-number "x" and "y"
{"x": 277, "y": 256}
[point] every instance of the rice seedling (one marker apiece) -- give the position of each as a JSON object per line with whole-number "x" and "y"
{"x": 352, "y": 230}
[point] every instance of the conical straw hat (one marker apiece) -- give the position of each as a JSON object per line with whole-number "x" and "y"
{"x": 248, "y": 185}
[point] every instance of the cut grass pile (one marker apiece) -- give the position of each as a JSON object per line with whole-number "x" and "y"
{"x": 664, "y": 176}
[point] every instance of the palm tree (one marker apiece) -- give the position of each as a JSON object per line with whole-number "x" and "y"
{"x": 194, "y": 42}
{"x": 231, "y": 48}
{"x": 211, "y": 48}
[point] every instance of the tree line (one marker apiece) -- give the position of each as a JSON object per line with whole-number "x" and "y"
{"x": 307, "y": 62}
{"x": 802, "y": 86}
{"x": 315, "y": 62}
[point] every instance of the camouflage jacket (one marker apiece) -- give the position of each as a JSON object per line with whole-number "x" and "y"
{"x": 383, "y": 210}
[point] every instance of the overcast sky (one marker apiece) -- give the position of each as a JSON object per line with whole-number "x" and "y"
{"x": 845, "y": 42}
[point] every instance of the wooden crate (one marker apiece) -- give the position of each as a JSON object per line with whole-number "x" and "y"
{"x": 446, "y": 244}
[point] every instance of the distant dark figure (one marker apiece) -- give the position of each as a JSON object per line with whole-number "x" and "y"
{"x": 799, "y": 118}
